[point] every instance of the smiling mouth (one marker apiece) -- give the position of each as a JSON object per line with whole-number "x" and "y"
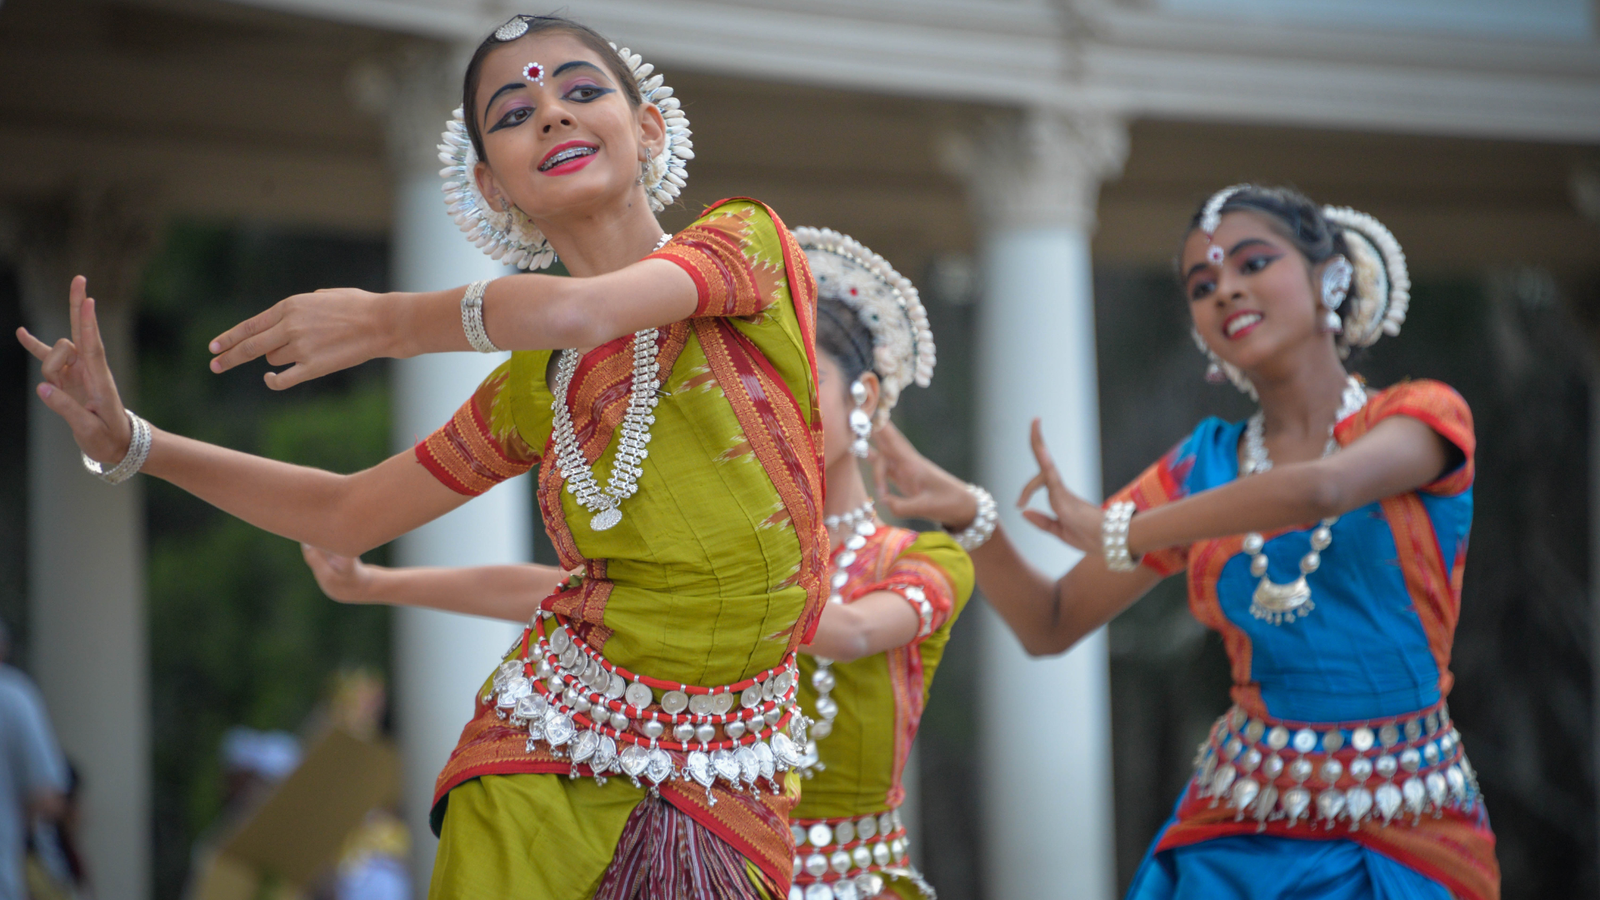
{"x": 1240, "y": 322}
{"x": 566, "y": 156}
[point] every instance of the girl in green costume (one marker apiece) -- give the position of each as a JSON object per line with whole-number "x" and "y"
{"x": 866, "y": 673}
{"x": 671, "y": 385}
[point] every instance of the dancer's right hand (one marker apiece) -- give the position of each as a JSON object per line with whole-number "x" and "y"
{"x": 78, "y": 385}
{"x": 313, "y": 334}
{"x": 343, "y": 578}
{"x": 925, "y": 490}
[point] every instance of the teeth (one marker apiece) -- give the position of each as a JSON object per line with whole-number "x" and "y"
{"x": 565, "y": 156}
{"x": 1243, "y": 322}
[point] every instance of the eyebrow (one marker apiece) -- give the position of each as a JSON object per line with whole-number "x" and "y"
{"x": 503, "y": 88}
{"x": 577, "y": 63}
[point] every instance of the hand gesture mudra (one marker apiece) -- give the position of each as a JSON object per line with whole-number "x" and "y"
{"x": 343, "y": 578}
{"x": 313, "y": 334}
{"x": 78, "y": 385}
{"x": 1076, "y": 521}
{"x": 925, "y": 491}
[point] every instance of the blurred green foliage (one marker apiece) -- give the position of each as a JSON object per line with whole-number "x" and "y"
{"x": 239, "y": 632}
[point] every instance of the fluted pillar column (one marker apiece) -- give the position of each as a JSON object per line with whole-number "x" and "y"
{"x": 1045, "y": 723}
{"x": 440, "y": 659}
{"x": 87, "y": 636}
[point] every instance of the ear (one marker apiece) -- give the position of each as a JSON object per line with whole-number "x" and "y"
{"x": 488, "y": 186}
{"x": 869, "y": 380}
{"x": 652, "y": 130}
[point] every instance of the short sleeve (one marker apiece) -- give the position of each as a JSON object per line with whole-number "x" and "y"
{"x": 480, "y": 446}
{"x": 1166, "y": 480}
{"x": 1434, "y": 404}
{"x": 33, "y": 746}
{"x": 934, "y": 575}
{"x": 735, "y": 257}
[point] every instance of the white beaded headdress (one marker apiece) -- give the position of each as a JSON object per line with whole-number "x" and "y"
{"x": 887, "y": 304}
{"x": 1382, "y": 281}
{"x": 511, "y": 236}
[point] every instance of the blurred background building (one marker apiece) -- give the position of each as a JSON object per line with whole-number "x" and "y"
{"x": 1032, "y": 163}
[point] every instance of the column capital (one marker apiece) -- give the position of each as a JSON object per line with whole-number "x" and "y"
{"x": 102, "y": 231}
{"x": 1040, "y": 167}
{"x": 413, "y": 92}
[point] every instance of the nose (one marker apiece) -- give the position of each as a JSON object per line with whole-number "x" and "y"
{"x": 1229, "y": 288}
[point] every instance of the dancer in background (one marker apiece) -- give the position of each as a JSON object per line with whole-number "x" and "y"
{"x": 1324, "y": 538}
{"x": 672, "y": 385}
{"x": 894, "y": 593}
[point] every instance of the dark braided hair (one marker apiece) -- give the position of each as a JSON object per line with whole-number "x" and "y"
{"x": 1293, "y": 215}
{"x": 539, "y": 25}
{"x": 844, "y": 337}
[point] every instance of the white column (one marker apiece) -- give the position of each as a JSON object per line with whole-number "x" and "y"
{"x": 440, "y": 659}
{"x": 86, "y": 577}
{"x": 1046, "y": 724}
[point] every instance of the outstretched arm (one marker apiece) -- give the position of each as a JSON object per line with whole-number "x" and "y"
{"x": 1398, "y": 455}
{"x": 1047, "y": 614}
{"x": 496, "y": 592}
{"x": 329, "y": 330}
{"x": 349, "y": 513}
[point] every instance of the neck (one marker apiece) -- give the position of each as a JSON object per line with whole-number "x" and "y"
{"x": 1301, "y": 400}
{"x": 847, "y": 490}
{"x": 594, "y": 243}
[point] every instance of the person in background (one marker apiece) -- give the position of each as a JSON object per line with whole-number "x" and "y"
{"x": 33, "y": 771}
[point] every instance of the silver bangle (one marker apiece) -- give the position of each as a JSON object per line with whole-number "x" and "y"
{"x": 978, "y": 533}
{"x": 132, "y": 461}
{"x": 472, "y": 318}
{"x": 1114, "y": 537}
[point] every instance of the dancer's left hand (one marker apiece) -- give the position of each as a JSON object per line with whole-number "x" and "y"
{"x": 343, "y": 578}
{"x": 313, "y": 334}
{"x": 1076, "y": 520}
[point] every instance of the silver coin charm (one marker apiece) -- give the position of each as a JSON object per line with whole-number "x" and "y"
{"x": 698, "y": 765}
{"x": 659, "y": 767}
{"x": 634, "y": 759}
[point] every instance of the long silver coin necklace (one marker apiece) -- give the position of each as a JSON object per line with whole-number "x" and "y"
{"x": 861, "y": 523}
{"x": 1279, "y": 603}
{"x": 632, "y": 440}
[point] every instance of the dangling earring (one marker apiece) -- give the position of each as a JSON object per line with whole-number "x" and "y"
{"x": 644, "y": 165}
{"x": 1335, "y": 287}
{"x": 860, "y": 422}
{"x": 1214, "y": 373}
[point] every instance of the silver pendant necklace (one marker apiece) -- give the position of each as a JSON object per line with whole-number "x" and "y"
{"x": 1280, "y": 603}
{"x": 861, "y": 522}
{"x": 632, "y": 439}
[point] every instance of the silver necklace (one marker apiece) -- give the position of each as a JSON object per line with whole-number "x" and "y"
{"x": 1279, "y": 603}
{"x": 632, "y": 439}
{"x": 827, "y": 708}
{"x": 850, "y": 519}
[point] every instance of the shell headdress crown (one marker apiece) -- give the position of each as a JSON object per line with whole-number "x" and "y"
{"x": 511, "y": 236}
{"x": 887, "y": 303}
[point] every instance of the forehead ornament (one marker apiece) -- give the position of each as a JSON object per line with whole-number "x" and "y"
{"x": 514, "y": 28}
{"x": 1211, "y": 217}
{"x": 511, "y": 236}
{"x": 887, "y": 304}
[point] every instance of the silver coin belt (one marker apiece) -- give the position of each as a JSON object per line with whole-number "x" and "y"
{"x": 839, "y": 859}
{"x": 580, "y": 706}
{"x": 1336, "y": 775}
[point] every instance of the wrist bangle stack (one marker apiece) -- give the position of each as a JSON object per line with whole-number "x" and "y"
{"x": 978, "y": 533}
{"x": 133, "y": 461}
{"x": 472, "y": 318}
{"x": 1114, "y": 537}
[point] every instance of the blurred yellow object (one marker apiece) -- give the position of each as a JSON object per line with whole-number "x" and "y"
{"x": 309, "y": 822}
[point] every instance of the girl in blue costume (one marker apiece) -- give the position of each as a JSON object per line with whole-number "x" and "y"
{"x": 1324, "y": 538}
